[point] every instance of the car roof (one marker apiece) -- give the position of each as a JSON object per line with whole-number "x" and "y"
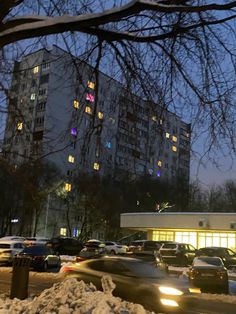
{"x": 10, "y": 241}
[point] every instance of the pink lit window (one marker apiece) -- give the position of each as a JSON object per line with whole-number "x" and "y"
{"x": 90, "y": 97}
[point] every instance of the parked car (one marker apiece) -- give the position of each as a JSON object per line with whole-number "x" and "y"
{"x": 92, "y": 248}
{"x": 41, "y": 257}
{"x": 65, "y": 245}
{"x": 147, "y": 246}
{"x": 115, "y": 248}
{"x": 177, "y": 253}
{"x": 135, "y": 280}
{"x": 12, "y": 238}
{"x": 35, "y": 241}
{"x": 9, "y": 249}
{"x": 209, "y": 273}
{"x": 228, "y": 256}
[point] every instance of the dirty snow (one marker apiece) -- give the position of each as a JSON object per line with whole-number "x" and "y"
{"x": 72, "y": 296}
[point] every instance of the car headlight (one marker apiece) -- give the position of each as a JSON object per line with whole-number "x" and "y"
{"x": 170, "y": 291}
{"x": 168, "y": 302}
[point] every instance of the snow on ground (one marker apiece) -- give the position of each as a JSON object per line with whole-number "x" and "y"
{"x": 72, "y": 296}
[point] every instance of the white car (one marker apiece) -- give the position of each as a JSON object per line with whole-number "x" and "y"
{"x": 29, "y": 241}
{"x": 115, "y": 248}
{"x": 12, "y": 238}
{"x": 9, "y": 249}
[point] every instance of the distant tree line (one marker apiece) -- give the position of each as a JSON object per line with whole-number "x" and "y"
{"x": 99, "y": 201}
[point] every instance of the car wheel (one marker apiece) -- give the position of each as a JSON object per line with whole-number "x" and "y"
{"x": 112, "y": 252}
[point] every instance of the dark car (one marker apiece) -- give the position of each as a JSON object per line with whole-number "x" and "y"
{"x": 41, "y": 257}
{"x": 65, "y": 245}
{"x": 136, "y": 281}
{"x": 177, "y": 253}
{"x": 147, "y": 246}
{"x": 209, "y": 273}
{"x": 228, "y": 256}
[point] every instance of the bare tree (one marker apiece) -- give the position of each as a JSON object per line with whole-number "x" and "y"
{"x": 179, "y": 54}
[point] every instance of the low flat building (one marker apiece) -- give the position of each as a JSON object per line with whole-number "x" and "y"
{"x": 199, "y": 229}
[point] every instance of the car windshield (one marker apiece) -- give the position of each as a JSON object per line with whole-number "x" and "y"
{"x": 208, "y": 261}
{"x": 169, "y": 246}
{"x": 4, "y": 246}
{"x": 36, "y": 250}
{"x": 145, "y": 270}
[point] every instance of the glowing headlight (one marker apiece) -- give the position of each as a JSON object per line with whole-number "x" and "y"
{"x": 169, "y": 302}
{"x": 170, "y": 291}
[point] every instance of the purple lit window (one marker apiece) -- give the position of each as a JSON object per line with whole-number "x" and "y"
{"x": 73, "y": 131}
{"x": 90, "y": 97}
{"x": 158, "y": 173}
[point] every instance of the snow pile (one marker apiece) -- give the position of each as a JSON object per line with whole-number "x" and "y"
{"x": 72, "y": 296}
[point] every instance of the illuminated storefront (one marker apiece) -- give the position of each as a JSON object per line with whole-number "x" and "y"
{"x": 198, "y": 229}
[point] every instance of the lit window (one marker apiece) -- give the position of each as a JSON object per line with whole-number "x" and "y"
{"x": 100, "y": 115}
{"x": 33, "y": 96}
{"x": 174, "y": 148}
{"x": 174, "y": 138}
{"x": 63, "y": 231}
{"x": 161, "y": 122}
{"x": 71, "y": 158}
{"x": 67, "y": 187}
{"x": 88, "y": 110}
{"x": 167, "y": 135}
{"x": 73, "y": 131}
{"x": 91, "y": 85}
{"x": 96, "y": 166}
{"x": 154, "y": 118}
{"x": 36, "y": 69}
{"x": 158, "y": 173}
{"x": 19, "y": 126}
{"x": 159, "y": 163}
{"x": 108, "y": 145}
{"x": 76, "y": 104}
{"x": 90, "y": 97}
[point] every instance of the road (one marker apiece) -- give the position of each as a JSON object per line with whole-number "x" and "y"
{"x": 37, "y": 281}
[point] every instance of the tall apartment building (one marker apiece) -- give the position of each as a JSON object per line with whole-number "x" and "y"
{"x": 61, "y": 103}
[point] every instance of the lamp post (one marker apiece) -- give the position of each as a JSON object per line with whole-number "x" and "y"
{"x": 47, "y": 211}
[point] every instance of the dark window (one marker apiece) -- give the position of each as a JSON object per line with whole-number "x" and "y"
{"x": 38, "y": 136}
{"x": 44, "y": 79}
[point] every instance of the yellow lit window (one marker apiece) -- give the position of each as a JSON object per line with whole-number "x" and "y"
{"x": 174, "y": 138}
{"x": 91, "y": 85}
{"x": 63, "y": 232}
{"x": 96, "y": 166}
{"x": 174, "y": 148}
{"x": 71, "y": 158}
{"x": 159, "y": 163}
{"x": 76, "y": 104}
{"x": 68, "y": 187}
{"x": 167, "y": 135}
{"x": 100, "y": 115}
{"x": 154, "y": 118}
{"x": 88, "y": 110}
{"x": 19, "y": 126}
{"x": 36, "y": 69}
{"x": 33, "y": 96}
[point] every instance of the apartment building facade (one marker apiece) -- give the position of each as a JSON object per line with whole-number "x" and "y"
{"x": 61, "y": 110}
